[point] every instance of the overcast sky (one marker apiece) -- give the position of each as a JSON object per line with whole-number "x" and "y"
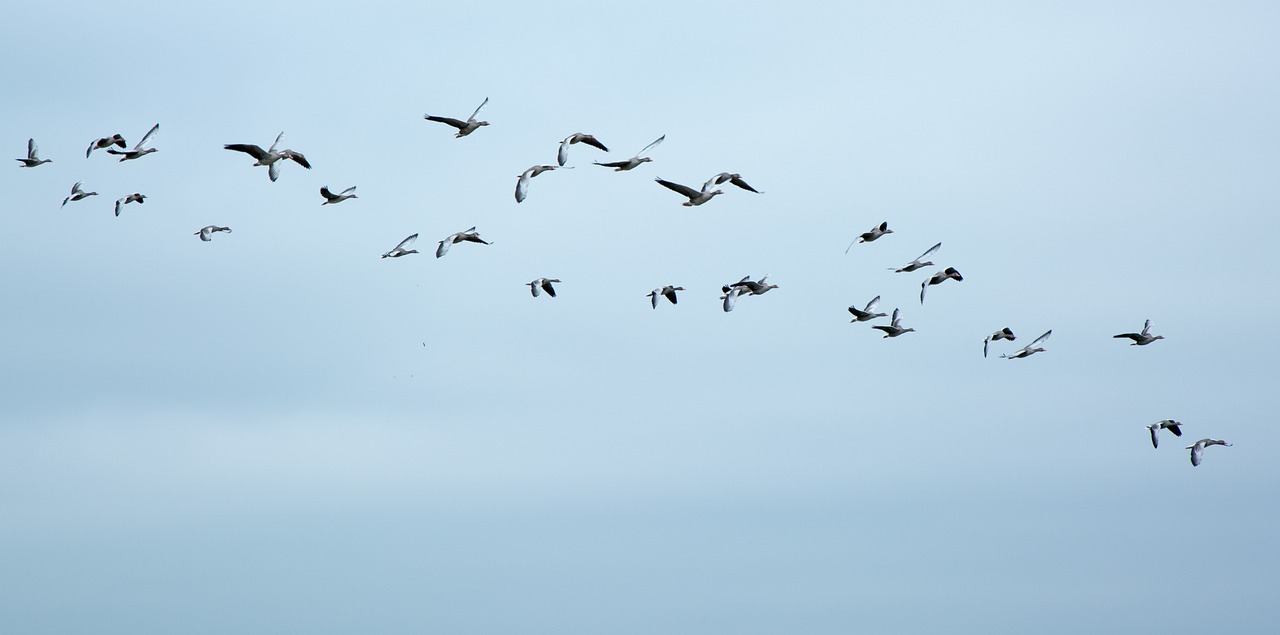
{"x": 278, "y": 431}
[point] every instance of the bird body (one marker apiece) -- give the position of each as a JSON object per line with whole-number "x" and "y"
{"x": 270, "y": 157}
{"x": 918, "y": 262}
{"x": 140, "y": 150}
{"x": 464, "y": 127}
{"x": 633, "y": 162}
{"x": 522, "y": 183}
{"x": 668, "y": 292}
{"x": 1030, "y": 349}
{"x": 33, "y": 156}
{"x": 1197, "y": 449}
{"x": 77, "y": 194}
{"x": 949, "y": 273}
{"x": 132, "y": 198}
{"x": 333, "y": 199}
{"x": 894, "y": 328}
{"x": 866, "y": 237}
{"x": 734, "y": 179}
{"x": 1168, "y": 424}
{"x": 577, "y": 137}
{"x": 1003, "y": 334}
{"x": 543, "y": 284}
{"x": 399, "y": 250}
{"x": 696, "y": 197}
{"x": 106, "y": 142}
{"x": 866, "y": 314}
{"x": 206, "y": 233}
{"x": 470, "y": 235}
{"x": 1141, "y": 339}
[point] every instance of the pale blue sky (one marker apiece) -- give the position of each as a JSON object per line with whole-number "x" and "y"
{"x": 278, "y": 431}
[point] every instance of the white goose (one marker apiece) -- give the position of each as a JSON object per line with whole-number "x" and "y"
{"x": 1197, "y": 449}
{"x": 139, "y": 150}
{"x": 522, "y": 183}
{"x": 1168, "y": 424}
{"x": 333, "y": 199}
{"x": 668, "y": 292}
{"x": 206, "y": 233}
{"x": 106, "y": 142}
{"x": 470, "y": 235}
{"x": 866, "y": 237}
{"x": 1003, "y": 334}
{"x": 894, "y": 328}
{"x": 543, "y": 284}
{"x": 1030, "y": 349}
{"x": 1141, "y": 339}
{"x": 132, "y": 198}
{"x": 633, "y": 162}
{"x": 696, "y": 197}
{"x": 866, "y": 314}
{"x": 269, "y": 157}
{"x": 399, "y": 250}
{"x": 577, "y": 137}
{"x": 464, "y": 127}
{"x": 77, "y": 194}
{"x": 917, "y": 262}
{"x": 33, "y": 156}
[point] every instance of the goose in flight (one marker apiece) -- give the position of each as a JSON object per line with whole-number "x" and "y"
{"x": 139, "y": 150}
{"x": 748, "y": 286}
{"x": 33, "y": 156}
{"x": 695, "y": 197}
{"x": 132, "y": 198}
{"x": 866, "y": 314}
{"x": 77, "y": 194}
{"x": 522, "y": 183}
{"x": 470, "y": 235}
{"x": 668, "y": 292}
{"x": 333, "y": 199}
{"x": 1003, "y": 334}
{"x": 1030, "y": 349}
{"x": 269, "y": 157}
{"x": 894, "y": 328}
{"x": 464, "y": 127}
{"x": 206, "y": 233}
{"x": 918, "y": 262}
{"x": 577, "y": 137}
{"x": 544, "y": 284}
{"x": 866, "y": 237}
{"x": 725, "y": 177}
{"x": 633, "y": 162}
{"x": 949, "y": 273}
{"x": 399, "y": 250}
{"x": 1168, "y": 424}
{"x": 1197, "y": 449}
{"x": 106, "y": 142}
{"x": 1141, "y": 339}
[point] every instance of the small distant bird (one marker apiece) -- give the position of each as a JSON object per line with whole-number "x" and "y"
{"x": 206, "y": 233}
{"x": 917, "y": 263}
{"x": 139, "y": 150}
{"x": 33, "y": 156}
{"x": 470, "y": 235}
{"x": 1197, "y": 449}
{"x": 894, "y": 328}
{"x": 1030, "y": 349}
{"x": 866, "y": 237}
{"x": 333, "y": 199}
{"x": 696, "y": 197}
{"x": 1168, "y": 424}
{"x": 269, "y": 157}
{"x": 725, "y": 177}
{"x": 522, "y": 183}
{"x": 577, "y": 137}
{"x": 668, "y": 292}
{"x": 77, "y": 194}
{"x": 748, "y": 286}
{"x": 949, "y": 273}
{"x": 1141, "y": 339}
{"x": 633, "y": 162}
{"x": 1002, "y": 334}
{"x": 543, "y": 284}
{"x": 399, "y": 250}
{"x": 105, "y": 142}
{"x": 730, "y": 296}
{"x": 132, "y": 198}
{"x": 865, "y": 314}
{"x": 464, "y": 127}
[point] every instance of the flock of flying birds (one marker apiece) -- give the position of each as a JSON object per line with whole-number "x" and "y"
{"x": 273, "y": 158}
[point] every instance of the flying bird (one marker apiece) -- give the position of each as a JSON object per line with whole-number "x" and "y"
{"x": 894, "y": 328}
{"x": 464, "y": 127}
{"x": 33, "y": 156}
{"x": 106, "y": 142}
{"x": 918, "y": 262}
{"x": 333, "y": 199}
{"x": 1197, "y": 449}
{"x": 1141, "y": 339}
{"x": 77, "y": 194}
{"x": 1168, "y": 424}
{"x": 949, "y": 273}
{"x": 139, "y": 150}
{"x": 1030, "y": 349}
{"x": 668, "y": 292}
{"x": 696, "y": 197}
{"x": 865, "y": 314}
{"x": 522, "y": 183}
{"x": 206, "y": 233}
{"x": 544, "y": 284}
{"x": 725, "y": 177}
{"x": 577, "y": 137}
{"x": 1002, "y": 334}
{"x": 132, "y": 198}
{"x": 270, "y": 157}
{"x": 470, "y": 235}
{"x": 866, "y": 237}
{"x": 399, "y": 250}
{"x": 633, "y": 162}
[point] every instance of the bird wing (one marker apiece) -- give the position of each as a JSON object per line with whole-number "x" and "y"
{"x": 273, "y": 170}
{"x": 894, "y": 320}
{"x": 846, "y": 249}
{"x": 706, "y": 187}
{"x": 669, "y": 294}
{"x": 533, "y": 288}
{"x": 276, "y": 142}
{"x": 1146, "y": 327}
{"x": 871, "y": 306}
{"x": 522, "y": 187}
{"x": 1133, "y": 336}
{"x": 297, "y": 158}
{"x": 653, "y": 298}
{"x": 33, "y": 150}
{"x": 613, "y": 164}
{"x": 1196, "y": 450}
{"x": 650, "y": 146}
{"x": 406, "y": 242}
{"x": 449, "y": 120}
{"x": 730, "y": 298}
{"x": 147, "y": 137}
{"x": 1175, "y": 428}
{"x": 1041, "y": 339}
{"x": 676, "y": 187}
{"x": 563, "y": 154}
{"x": 924, "y": 286}
{"x": 546, "y": 286}
{"x": 91, "y": 147}
{"x": 743, "y": 184}
{"x": 348, "y": 191}
{"x": 247, "y": 148}
{"x": 444, "y": 246}
{"x": 119, "y": 202}
{"x": 985, "y": 342}
{"x": 324, "y": 191}
{"x": 1155, "y": 438}
{"x": 593, "y": 142}
{"x": 928, "y": 252}
{"x": 76, "y": 188}
{"x": 477, "y": 111}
